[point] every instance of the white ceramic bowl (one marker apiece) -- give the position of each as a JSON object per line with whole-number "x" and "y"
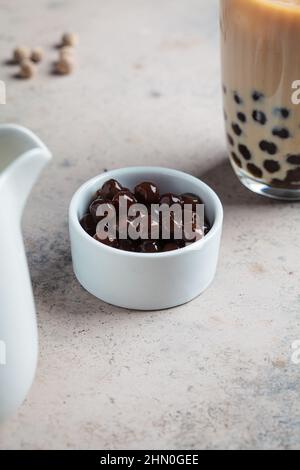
{"x": 145, "y": 281}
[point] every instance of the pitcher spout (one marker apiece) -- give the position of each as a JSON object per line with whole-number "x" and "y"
{"x": 22, "y": 157}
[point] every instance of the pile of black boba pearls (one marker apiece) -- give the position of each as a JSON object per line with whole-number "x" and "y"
{"x": 146, "y": 193}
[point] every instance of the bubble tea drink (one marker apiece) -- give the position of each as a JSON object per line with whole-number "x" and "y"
{"x": 261, "y": 63}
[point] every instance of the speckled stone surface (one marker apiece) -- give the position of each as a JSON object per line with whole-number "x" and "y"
{"x": 216, "y": 373}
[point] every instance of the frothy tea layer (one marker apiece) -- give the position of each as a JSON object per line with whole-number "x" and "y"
{"x": 278, "y": 4}
{"x": 283, "y": 2}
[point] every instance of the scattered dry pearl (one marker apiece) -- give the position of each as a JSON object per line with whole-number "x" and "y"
{"x": 21, "y": 53}
{"x": 27, "y": 69}
{"x": 66, "y": 52}
{"x": 37, "y": 54}
{"x": 69, "y": 39}
{"x": 64, "y": 66}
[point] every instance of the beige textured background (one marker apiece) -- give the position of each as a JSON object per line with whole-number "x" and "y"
{"x": 216, "y": 373}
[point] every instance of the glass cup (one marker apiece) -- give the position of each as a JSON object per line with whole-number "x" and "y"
{"x": 261, "y": 80}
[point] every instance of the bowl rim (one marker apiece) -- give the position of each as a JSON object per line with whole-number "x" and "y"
{"x": 200, "y": 244}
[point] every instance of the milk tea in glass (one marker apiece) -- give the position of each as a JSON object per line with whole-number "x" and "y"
{"x": 260, "y": 43}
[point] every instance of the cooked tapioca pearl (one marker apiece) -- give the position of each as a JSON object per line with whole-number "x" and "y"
{"x": 288, "y": 182}
{"x": 259, "y": 116}
{"x": 257, "y": 96}
{"x": 230, "y": 140}
{"x": 281, "y": 112}
{"x": 236, "y": 159}
{"x": 191, "y": 199}
{"x": 281, "y": 132}
{"x": 237, "y": 98}
{"x": 242, "y": 117}
{"x": 192, "y": 231}
{"x": 171, "y": 199}
{"x": 225, "y": 116}
{"x": 236, "y": 129}
{"x": 147, "y": 193}
{"x": 149, "y": 246}
{"x": 109, "y": 241}
{"x": 278, "y": 183}
{"x": 268, "y": 147}
{"x": 244, "y": 151}
{"x": 110, "y": 189}
{"x": 173, "y": 245}
{"x": 224, "y": 89}
{"x": 107, "y": 207}
{"x": 206, "y": 227}
{"x": 175, "y": 225}
{"x": 127, "y": 245}
{"x": 143, "y": 225}
{"x": 293, "y": 176}
{"x": 88, "y": 224}
{"x": 254, "y": 170}
{"x": 123, "y": 223}
{"x": 271, "y": 166}
{"x": 124, "y": 196}
{"x": 293, "y": 159}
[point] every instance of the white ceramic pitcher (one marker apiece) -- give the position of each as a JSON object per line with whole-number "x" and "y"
{"x": 22, "y": 157}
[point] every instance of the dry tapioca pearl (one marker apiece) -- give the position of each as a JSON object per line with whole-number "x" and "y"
{"x": 257, "y": 96}
{"x": 242, "y": 117}
{"x": 268, "y": 147}
{"x": 293, "y": 159}
{"x": 27, "y": 69}
{"x": 281, "y": 112}
{"x": 271, "y": 166}
{"x": 230, "y": 140}
{"x": 236, "y": 159}
{"x": 21, "y": 53}
{"x": 281, "y": 132}
{"x": 236, "y": 129}
{"x": 237, "y": 98}
{"x": 254, "y": 170}
{"x": 244, "y": 151}
{"x": 69, "y": 39}
{"x": 88, "y": 224}
{"x": 64, "y": 66}
{"x": 259, "y": 117}
{"x": 37, "y": 54}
